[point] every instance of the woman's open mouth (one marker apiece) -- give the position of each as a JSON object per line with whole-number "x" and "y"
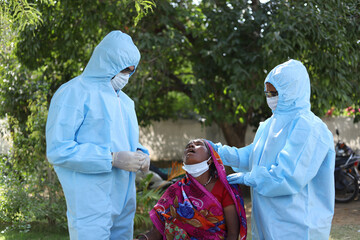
{"x": 189, "y": 150}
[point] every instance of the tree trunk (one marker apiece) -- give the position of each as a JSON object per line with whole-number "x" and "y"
{"x": 235, "y": 136}
{"x": 234, "y": 133}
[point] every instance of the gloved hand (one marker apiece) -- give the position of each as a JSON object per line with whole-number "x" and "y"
{"x": 214, "y": 146}
{"x": 130, "y": 161}
{"x": 236, "y": 178}
{"x": 146, "y": 164}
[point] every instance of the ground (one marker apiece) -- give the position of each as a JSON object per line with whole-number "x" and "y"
{"x": 345, "y": 224}
{"x": 347, "y": 213}
{"x": 346, "y": 221}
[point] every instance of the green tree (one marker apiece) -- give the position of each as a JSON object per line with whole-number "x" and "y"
{"x": 206, "y": 59}
{"x": 21, "y": 13}
{"x": 28, "y": 80}
{"x": 210, "y": 57}
{"x": 218, "y": 53}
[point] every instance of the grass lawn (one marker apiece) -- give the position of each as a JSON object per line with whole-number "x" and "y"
{"x": 346, "y": 226}
{"x": 34, "y": 235}
{"x": 39, "y": 231}
{"x": 346, "y": 232}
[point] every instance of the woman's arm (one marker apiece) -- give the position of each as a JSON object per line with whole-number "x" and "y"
{"x": 232, "y": 222}
{"x": 153, "y": 234}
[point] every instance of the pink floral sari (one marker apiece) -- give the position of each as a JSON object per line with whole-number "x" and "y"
{"x": 188, "y": 211}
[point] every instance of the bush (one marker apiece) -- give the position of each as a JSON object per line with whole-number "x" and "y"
{"x": 30, "y": 189}
{"x": 145, "y": 200}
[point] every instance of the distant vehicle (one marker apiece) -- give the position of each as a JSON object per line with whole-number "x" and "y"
{"x": 347, "y": 174}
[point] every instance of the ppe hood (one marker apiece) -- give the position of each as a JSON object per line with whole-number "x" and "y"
{"x": 113, "y": 54}
{"x": 292, "y": 82}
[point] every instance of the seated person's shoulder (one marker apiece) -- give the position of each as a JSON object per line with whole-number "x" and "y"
{"x": 221, "y": 194}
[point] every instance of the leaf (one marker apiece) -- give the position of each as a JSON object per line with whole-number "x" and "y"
{"x": 194, "y": 222}
{"x": 176, "y": 203}
{"x": 212, "y": 219}
{"x": 173, "y": 212}
{"x": 204, "y": 212}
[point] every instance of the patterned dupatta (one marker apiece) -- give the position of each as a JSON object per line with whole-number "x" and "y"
{"x": 188, "y": 211}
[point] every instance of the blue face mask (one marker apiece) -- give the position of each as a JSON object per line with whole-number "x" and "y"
{"x": 120, "y": 80}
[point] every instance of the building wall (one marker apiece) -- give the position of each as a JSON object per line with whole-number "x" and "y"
{"x": 166, "y": 140}
{"x": 349, "y": 132}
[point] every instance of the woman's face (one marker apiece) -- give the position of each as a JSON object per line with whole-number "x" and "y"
{"x": 195, "y": 152}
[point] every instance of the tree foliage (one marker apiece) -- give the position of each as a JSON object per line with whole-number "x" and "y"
{"x": 31, "y": 69}
{"x": 18, "y": 14}
{"x": 218, "y": 54}
{"x": 200, "y": 59}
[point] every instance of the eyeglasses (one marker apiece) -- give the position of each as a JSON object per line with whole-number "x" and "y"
{"x": 271, "y": 93}
{"x": 127, "y": 71}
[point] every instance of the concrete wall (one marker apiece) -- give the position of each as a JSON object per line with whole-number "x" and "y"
{"x": 166, "y": 140}
{"x": 349, "y": 132}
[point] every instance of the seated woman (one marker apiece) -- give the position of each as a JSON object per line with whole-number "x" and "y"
{"x": 202, "y": 205}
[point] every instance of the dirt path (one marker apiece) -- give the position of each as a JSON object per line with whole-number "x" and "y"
{"x": 345, "y": 213}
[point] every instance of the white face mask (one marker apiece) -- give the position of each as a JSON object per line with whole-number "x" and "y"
{"x": 197, "y": 169}
{"x": 120, "y": 80}
{"x": 272, "y": 102}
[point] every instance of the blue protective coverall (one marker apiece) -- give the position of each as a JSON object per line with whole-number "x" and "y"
{"x": 289, "y": 165}
{"x": 87, "y": 121}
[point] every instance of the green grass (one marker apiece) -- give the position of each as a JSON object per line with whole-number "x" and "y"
{"x": 42, "y": 232}
{"x": 345, "y": 232}
{"x": 34, "y": 236}
{"x": 38, "y": 231}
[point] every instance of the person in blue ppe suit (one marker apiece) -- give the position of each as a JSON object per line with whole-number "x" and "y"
{"x": 289, "y": 166}
{"x": 92, "y": 138}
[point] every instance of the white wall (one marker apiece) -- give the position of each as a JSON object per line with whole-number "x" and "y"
{"x": 166, "y": 140}
{"x": 349, "y": 132}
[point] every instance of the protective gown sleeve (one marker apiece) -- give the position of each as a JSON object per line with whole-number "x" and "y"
{"x": 142, "y": 148}
{"x": 62, "y": 148}
{"x": 237, "y": 158}
{"x": 296, "y": 164}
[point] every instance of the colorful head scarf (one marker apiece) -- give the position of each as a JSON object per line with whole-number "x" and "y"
{"x": 188, "y": 211}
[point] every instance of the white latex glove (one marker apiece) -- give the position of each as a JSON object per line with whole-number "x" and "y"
{"x": 130, "y": 161}
{"x": 146, "y": 164}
